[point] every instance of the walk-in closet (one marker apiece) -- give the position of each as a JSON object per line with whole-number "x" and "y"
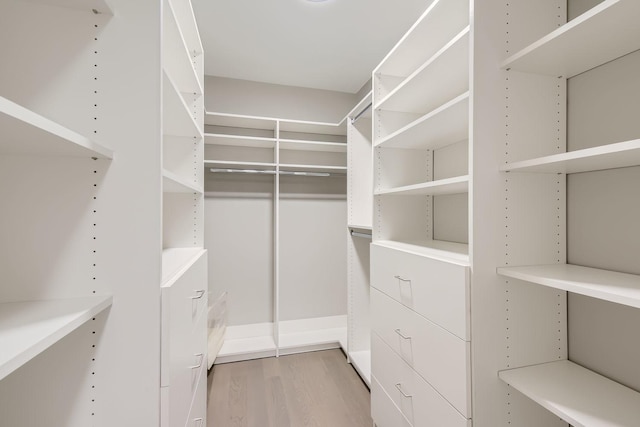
{"x": 322, "y": 213}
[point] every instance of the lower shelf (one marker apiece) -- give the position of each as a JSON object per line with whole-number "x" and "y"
{"x": 234, "y": 350}
{"x": 577, "y": 395}
{"x": 361, "y": 361}
{"x": 313, "y": 340}
{"x": 30, "y": 327}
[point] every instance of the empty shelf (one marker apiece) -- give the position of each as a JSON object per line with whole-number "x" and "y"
{"x": 239, "y": 164}
{"x": 456, "y": 253}
{"x": 314, "y": 168}
{"x": 24, "y": 132}
{"x": 239, "y": 140}
{"x": 445, "y": 125}
{"x": 603, "y": 33}
{"x": 297, "y": 144}
{"x": 606, "y": 285}
{"x": 175, "y": 259}
{"x": 577, "y": 395}
{"x": 619, "y": 155}
{"x": 29, "y": 328}
{"x": 459, "y": 184}
{"x": 239, "y": 121}
{"x": 172, "y": 183}
{"x": 361, "y": 361}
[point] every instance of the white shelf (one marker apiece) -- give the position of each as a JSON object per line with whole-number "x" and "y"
{"x": 298, "y": 144}
{"x": 313, "y": 168}
{"x": 312, "y": 340}
{"x": 88, "y": 5}
{"x": 29, "y": 328}
{"x": 24, "y": 132}
{"x": 577, "y": 395}
{"x": 177, "y": 119}
{"x": 442, "y": 20}
{"x": 233, "y": 163}
{"x": 172, "y": 183}
{"x": 361, "y": 361}
{"x": 456, "y": 253}
{"x": 176, "y": 57}
{"x": 606, "y": 285}
{"x": 359, "y": 228}
{"x": 323, "y": 128}
{"x": 456, "y": 185}
{"x": 186, "y": 19}
{"x": 445, "y": 125}
{"x": 239, "y": 140}
{"x": 240, "y": 121}
{"x": 175, "y": 259}
{"x": 441, "y": 78}
{"x": 603, "y": 33}
{"x": 618, "y": 155}
{"x": 234, "y": 350}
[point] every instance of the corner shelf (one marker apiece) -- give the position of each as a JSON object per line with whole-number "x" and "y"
{"x": 577, "y": 395}
{"x": 449, "y": 68}
{"x": 239, "y": 140}
{"x": 24, "y": 132}
{"x": 308, "y": 145}
{"x": 445, "y": 125}
{"x": 618, "y": 155}
{"x": 456, "y": 185}
{"x": 177, "y": 120}
{"x": 603, "y": 33}
{"x": 28, "y": 328}
{"x": 172, "y": 183}
{"x": 606, "y": 285}
{"x": 455, "y": 253}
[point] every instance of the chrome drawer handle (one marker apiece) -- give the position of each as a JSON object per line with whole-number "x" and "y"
{"x": 201, "y": 356}
{"x": 199, "y": 421}
{"x": 199, "y": 294}
{"x": 399, "y": 332}
{"x": 399, "y": 387}
{"x": 402, "y": 280}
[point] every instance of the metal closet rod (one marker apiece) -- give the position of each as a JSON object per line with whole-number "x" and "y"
{"x": 269, "y": 172}
{"x": 364, "y": 110}
{"x": 362, "y": 235}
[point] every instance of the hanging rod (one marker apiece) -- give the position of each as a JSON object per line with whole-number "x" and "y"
{"x": 269, "y": 172}
{"x": 362, "y": 235}
{"x": 364, "y": 110}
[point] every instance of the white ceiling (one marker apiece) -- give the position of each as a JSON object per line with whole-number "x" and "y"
{"x": 332, "y": 45}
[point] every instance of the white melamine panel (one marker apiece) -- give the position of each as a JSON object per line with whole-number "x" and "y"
{"x": 239, "y": 153}
{"x": 438, "y": 24}
{"x": 403, "y": 219}
{"x": 451, "y": 218}
{"x": 240, "y": 121}
{"x": 298, "y": 144}
{"x": 181, "y": 227}
{"x": 358, "y": 270}
{"x": 181, "y": 155}
{"x": 383, "y": 411}
{"x": 302, "y": 169}
{"x": 361, "y": 361}
{"x": 305, "y": 157}
{"x": 397, "y": 167}
{"x": 360, "y": 173}
{"x": 176, "y": 57}
{"x": 601, "y": 284}
{"x": 418, "y": 401}
{"x": 580, "y": 45}
{"x": 419, "y": 94}
{"x": 435, "y": 289}
{"x": 577, "y": 395}
{"x": 256, "y": 347}
{"x": 302, "y": 126}
{"x": 443, "y": 186}
{"x": 26, "y": 132}
{"x": 176, "y": 114}
{"x": 440, "y": 357}
{"x": 451, "y": 161}
{"x": 446, "y": 124}
{"x": 28, "y": 328}
{"x": 239, "y": 140}
{"x": 198, "y": 412}
{"x": 450, "y": 252}
{"x": 175, "y": 259}
{"x": 313, "y": 334}
{"x": 228, "y": 164}
{"x": 173, "y": 183}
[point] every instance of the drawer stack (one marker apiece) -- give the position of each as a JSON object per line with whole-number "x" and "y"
{"x": 421, "y": 372}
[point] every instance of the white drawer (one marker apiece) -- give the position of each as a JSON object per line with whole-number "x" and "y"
{"x": 438, "y": 290}
{"x": 440, "y": 357}
{"x": 420, "y": 403}
{"x": 383, "y": 411}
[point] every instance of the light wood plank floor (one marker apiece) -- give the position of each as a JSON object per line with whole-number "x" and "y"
{"x": 317, "y": 389}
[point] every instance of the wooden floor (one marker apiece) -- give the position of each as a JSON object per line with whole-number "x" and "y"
{"x": 310, "y": 389}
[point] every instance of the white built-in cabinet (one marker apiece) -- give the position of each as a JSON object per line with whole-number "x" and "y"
{"x": 100, "y": 170}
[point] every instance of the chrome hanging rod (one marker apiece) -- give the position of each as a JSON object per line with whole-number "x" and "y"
{"x": 269, "y": 172}
{"x": 364, "y": 110}
{"x": 362, "y": 235}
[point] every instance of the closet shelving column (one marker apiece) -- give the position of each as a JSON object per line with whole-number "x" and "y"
{"x": 537, "y": 166}
{"x": 359, "y": 224}
{"x": 184, "y": 260}
{"x": 420, "y": 276}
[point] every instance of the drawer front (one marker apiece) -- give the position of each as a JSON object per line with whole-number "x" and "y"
{"x": 440, "y": 357}
{"x": 437, "y": 290}
{"x": 383, "y": 411}
{"x": 198, "y": 413}
{"x": 420, "y": 403}
{"x": 183, "y": 326}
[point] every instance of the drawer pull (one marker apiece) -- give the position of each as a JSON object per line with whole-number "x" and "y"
{"x": 201, "y": 356}
{"x": 198, "y": 422}
{"x": 402, "y": 279}
{"x": 399, "y": 387}
{"x": 199, "y": 294}
{"x": 404, "y": 337}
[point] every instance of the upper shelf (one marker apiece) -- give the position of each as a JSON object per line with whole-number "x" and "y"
{"x": 442, "y": 20}
{"x": 456, "y": 185}
{"x": 271, "y": 123}
{"x": 619, "y": 155}
{"x": 172, "y": 183}
{"x": 606, "y": 285}
{"x": 577, "y": 395}
{"x": 28, "y": 328}
{"x": 186, "y": 20}
{"x": 100, "y": 6}
{"x": 444, "y": 76}
{"x": 445, "y": 125}
{"x": 239, "y": 140}
{"x": 177, "y": 119}
{"x": 603, "y": 33}
{"x": 298, "y": 144}
{"x": 24, "y": 132}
